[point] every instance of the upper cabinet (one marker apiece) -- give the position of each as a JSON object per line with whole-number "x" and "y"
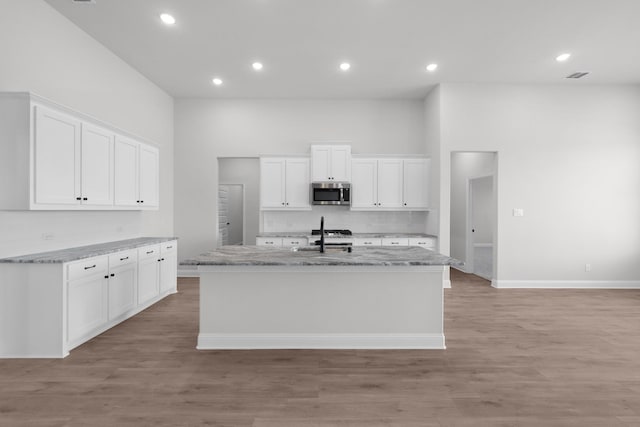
{"x": 389, "y": 184}
{"x": 53, "y": 158}
{"x": 284, "y": 183}
{"x": 330, "y": 163}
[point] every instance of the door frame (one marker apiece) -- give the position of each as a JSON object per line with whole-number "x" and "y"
{"x": 469, "y": 246}
{"x": 244, "y": 210}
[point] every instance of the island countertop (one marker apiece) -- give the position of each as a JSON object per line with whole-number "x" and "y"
{"x": 360, "y": 256}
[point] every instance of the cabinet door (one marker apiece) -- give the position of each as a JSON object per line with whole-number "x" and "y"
{"x": 320, "y": 162}
{"x": 125, "y": 172}
{"x": 340, "y": 163}
{"x": 168, "y": 272}
{"x": 122, "y": 289}
{"x": 416, "y": 183}
{"x": 87, "y": 306}
{"x": 57, "y": 158}
{"x": 148, "y": 277}
{"x": 297, "y": 184}
{"x": 272, "y": 182}
{"x": 149, "y": 177}
{"x": 364, "y": 183}
{"x": 390, "y": 183}
{"x": 97, "y": 166}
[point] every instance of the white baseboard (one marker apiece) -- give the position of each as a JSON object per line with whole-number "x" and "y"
{"x": 464, "y": 268}
{"x": 566, "y": 284}
{"x": 320, "y": 341}
{"x": 446, "y": 284}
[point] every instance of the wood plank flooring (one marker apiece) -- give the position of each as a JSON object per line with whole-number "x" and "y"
{"x": 514, "y": 358}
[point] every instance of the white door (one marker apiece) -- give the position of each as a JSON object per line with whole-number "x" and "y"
{"x": 223, "y": 215}
{"x": 149, "y": 176}
{"x": 125, "y": 172}
{"x": 272, "y": 183}
{"x": 57, "y": 158}
{"x": 340, "y": 163}
{"x": 297, "y": 184}
{"x": 364, "y": 183}
{"x": 416, "y": 183}
{"x": 482, "y": 214}
{"x": 122, "y": 289}
{"x": 97, "y": 166}
{"x": 148, "y": 276}
{"x": 390, "y": 183}
{"x": 320, "y": 162}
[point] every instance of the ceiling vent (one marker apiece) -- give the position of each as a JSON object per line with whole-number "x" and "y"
{"x": 577, "y": 75}
{"x": 84, "y": 1}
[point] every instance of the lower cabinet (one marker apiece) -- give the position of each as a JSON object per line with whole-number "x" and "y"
{"x": 87, "y": 305}
{"x": 122, "y": 289}
{"x": 168, "y": 267}
{"x": 148, "y": 273}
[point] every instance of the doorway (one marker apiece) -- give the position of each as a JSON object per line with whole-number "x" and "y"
{"x": 231, "y": 214}
{"x": 473, "y": 211}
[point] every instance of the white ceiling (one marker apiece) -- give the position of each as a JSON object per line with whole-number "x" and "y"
{"x": 388, "y": 42}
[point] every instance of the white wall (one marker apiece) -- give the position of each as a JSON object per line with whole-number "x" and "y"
{"x": 568, "y": 155}
{"x": 465, "y": 165}
{"x": 207, "y": 129}
{"x": 433, "y": 150}
{"x": 44, "y": 53}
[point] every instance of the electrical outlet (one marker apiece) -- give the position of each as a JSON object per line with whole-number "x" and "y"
{"x": 587, "y": 267}
{"x": 119, "y": 229}
{"x": 47, "y": 236}
{"x": 518, "y": 212}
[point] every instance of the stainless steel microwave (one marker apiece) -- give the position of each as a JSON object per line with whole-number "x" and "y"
{"x": 331, "y": 193}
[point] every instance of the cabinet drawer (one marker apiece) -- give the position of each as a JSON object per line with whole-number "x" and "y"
{"x": 393, "y": 241}
{"x": 362, "y": 241}
{"x": 146, "y": 252}
{"x": 297, "y": 241}
{"x": 123, "y": 258}
{"x": 269, "y": 241}
{"x": 87, "y": 267}
{"x": 168, "y": 247}
{"x": 425, "y": 242}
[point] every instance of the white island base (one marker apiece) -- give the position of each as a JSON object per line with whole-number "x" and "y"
{"x": 321, "y": 307}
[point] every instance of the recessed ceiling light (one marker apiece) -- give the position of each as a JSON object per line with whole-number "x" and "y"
{"x": 563, "y": 57}
{"x": 432, "y": 67}
{"x": 168, "y": 19}
{"x": 345, "y": 66}
{"x": 217, "y": 81}
{"x": 257, "y": 66}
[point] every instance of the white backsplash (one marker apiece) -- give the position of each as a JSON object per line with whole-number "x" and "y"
{"x": 342, "y": 218}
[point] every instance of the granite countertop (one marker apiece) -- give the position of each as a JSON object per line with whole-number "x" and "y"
{"x": 361, "y": 256}
{"x": 81, "y": 252}
{"x": 354, "y": 235}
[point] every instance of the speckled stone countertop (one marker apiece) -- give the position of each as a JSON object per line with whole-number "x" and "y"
{"x": 81, "y": 252}
{"x": 361, "y": 256}
{"x": 354, "y": 235}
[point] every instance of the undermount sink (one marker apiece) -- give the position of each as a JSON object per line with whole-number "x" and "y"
{"x": 326, "y": 248}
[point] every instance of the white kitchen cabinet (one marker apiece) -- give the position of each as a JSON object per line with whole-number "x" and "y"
{"x": 168, "y": 267}
{"x": 87, "y": 302}
{"x": 136, "y": 173}
{"x": 331, "y": 163}
{"x": 389, "y": 184}
{"x": 424, "y": 242}
{"x": 123, "y": 283}
{"x": 395, "y": 241}
{"x": 275, "y": 242}
{"x": 284, "y": 183}
{"x": 288, "y": 242}
{"x": 55, "y": 158}
{"x": 366, "y": 241}
{"x": 148, "y": 273}
{"x": 96, "y": 181}
{"x": 416, "y": 183}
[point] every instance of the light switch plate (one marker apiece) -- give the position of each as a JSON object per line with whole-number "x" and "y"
{"x": 518, "y": 212}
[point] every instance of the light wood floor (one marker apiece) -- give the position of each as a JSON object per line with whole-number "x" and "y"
{"x": 514, "y": 358}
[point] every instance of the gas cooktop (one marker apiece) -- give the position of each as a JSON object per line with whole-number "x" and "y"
{"x": 332, "y": 233}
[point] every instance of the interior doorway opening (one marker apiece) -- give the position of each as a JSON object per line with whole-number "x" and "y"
{"x": 231, "y": 216}
{"x": 474, "y": 212}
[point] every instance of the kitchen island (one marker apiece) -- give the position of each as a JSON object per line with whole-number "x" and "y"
{"x": 255, "y": 297}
